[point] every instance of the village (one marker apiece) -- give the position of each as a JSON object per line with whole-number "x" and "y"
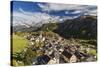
{"x": 56, "y": 50}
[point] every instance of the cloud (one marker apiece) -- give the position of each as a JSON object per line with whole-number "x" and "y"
{"x": 31, "y": 19}
{"x": 57, "y": 7}
{"x": 20, "y": 9}
{"x": 74, "y": 12}
{"x": 24, "y": 17}
{"x": 91, "y": 12}
{"x": 67, "y": 7}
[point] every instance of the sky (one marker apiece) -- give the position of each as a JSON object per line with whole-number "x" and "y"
{"x": 39, "y": 11}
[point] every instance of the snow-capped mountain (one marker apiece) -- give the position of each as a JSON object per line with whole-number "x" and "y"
{"x": 36, "y": 18}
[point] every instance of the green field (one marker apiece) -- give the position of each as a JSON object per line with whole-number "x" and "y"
{"x": 18, "y": 43}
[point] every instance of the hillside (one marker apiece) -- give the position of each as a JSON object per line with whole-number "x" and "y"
{"x": 73, "y": 37}
{"x": 82, "y": 27}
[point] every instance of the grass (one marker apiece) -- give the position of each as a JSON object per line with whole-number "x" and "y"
{"x": 18, "y": 43}
{"x": 93, "y": 52}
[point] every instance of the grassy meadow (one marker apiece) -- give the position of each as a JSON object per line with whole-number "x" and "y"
{"x": 19, "y": 43}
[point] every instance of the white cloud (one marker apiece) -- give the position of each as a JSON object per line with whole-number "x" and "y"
{"x": 74, "y": 12}
{"x": 37, "y": 17}
{"x": 20, "y": 18}
{"x": 57, "y": 7}
{"x": 92, "y": 12}
{"x": 21, "y": 10}
{"x": 30, "y": 18}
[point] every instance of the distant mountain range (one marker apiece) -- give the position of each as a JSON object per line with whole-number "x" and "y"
{"x": 36, "y": 18}
{"x": 82, "y": 26}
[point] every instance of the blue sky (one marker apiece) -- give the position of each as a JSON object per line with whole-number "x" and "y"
{"x": 44, "y": 11}
{"x": 34, "y": 7}
{"x": 38, "y": 7}
{"x": 27, "y": 6}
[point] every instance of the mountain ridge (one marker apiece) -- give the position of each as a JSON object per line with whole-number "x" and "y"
{"x": 83, "y": 26}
